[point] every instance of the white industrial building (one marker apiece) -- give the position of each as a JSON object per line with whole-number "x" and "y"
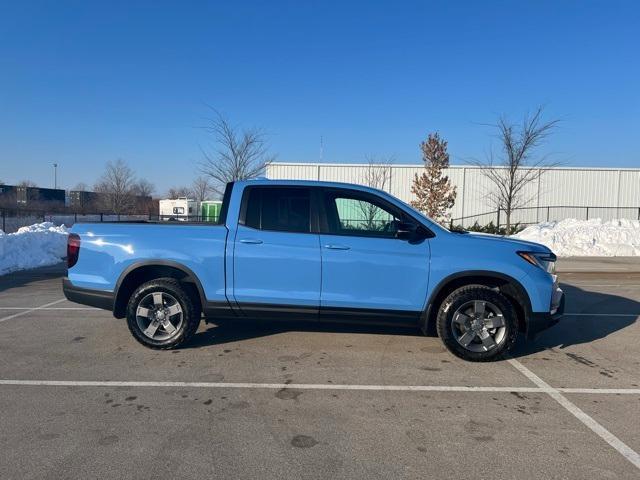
{"x": 562, "y": 192}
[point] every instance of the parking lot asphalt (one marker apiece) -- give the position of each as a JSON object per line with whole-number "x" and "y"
{"x": 79, "y": 398}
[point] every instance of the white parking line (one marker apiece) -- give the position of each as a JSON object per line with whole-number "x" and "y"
{"x": 590, "y": 270}
{"x": 606, "y": 391}
{"x": 270, "y": 386}
{"x": 316, "y": 386}
{"x": 29, "y": 310}
{"x": 49, "y": 308}
{"x": 602, "y": 432}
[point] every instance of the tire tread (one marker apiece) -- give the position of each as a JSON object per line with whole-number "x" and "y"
{"x": 191, "y": 312}
{"x": 463, "y": 295}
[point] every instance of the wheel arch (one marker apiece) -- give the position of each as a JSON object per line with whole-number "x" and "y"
{"x": 140, "y": 272}
{"x": 507, "y": 285}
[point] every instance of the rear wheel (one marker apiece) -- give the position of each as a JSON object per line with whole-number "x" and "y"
{"x": 161, "y": 314}
{"x": 477, "y": 323}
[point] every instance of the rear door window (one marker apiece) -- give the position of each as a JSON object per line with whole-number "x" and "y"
{"x": 281, "y": 209}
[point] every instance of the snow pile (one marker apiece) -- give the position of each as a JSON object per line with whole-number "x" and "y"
{"x": 33, "y": 246}
{"x": 569, "y": 238}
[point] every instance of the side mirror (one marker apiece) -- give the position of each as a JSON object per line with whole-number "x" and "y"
{"x": 406, "y": 230}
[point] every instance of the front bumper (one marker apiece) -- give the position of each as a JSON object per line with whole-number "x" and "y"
{"x": 86, "y": 296}
{"x": 539, "y": 321}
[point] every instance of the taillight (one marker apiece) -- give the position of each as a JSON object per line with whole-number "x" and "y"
{"x": 73, "y": 249}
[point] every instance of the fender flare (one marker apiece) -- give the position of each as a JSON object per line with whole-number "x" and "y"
{"x": 520, "y": 290}
{"x": 190, "y": 275}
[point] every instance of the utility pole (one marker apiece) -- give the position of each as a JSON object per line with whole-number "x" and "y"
{"x": 321, "y": 149}
{"x": 55, "y": 175}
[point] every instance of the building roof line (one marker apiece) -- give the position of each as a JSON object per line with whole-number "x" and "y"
{"x": 417, "y": 165}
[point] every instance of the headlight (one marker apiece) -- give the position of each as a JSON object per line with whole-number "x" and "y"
{"x": 546, "y": 261}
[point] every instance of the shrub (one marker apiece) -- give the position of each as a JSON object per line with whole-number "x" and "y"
{"x": 490, "y": 228}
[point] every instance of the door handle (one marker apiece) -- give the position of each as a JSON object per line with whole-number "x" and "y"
{"x": 332, "y": 246}
{"x": 252, "y": 241}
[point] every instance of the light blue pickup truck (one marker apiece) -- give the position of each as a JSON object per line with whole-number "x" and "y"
{"x": 317, "y": 251}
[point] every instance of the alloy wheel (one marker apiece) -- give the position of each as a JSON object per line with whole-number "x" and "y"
{"x": 479, "y": 326}
{"x": 159, "y": 316}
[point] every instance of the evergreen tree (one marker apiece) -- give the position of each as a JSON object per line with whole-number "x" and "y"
{"x": 433, "y": 190}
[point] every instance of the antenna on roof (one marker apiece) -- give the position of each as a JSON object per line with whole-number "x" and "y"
{"x": 321, "y": 149}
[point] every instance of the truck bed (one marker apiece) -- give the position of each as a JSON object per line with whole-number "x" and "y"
{"x": 110, "y": 250}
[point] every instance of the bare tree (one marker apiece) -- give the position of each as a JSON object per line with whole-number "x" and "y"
{"x": 142, "y": 191}
{"x": 179, "y": 192}
{"x": 27, "y": 183}
{"x": 201, "y": 188}
{"x": 435, "y": 194}
{"x": 116, "y": 186}
{"x": 237, "y": 154}
{"x": 81, "y": 187}
{"x": 143, "y": 188}
{"x": 377, "y": 174}
{"x": 517, "y": 165}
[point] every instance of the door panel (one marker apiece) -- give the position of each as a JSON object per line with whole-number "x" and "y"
{"x": 276, "y": 267}
{"x": 374, "y": 273}
{"x": 276, "y": 258}
{"x": 364, "y": 264}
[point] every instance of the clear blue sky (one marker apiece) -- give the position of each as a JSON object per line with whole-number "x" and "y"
{"x": 85, "y": 82}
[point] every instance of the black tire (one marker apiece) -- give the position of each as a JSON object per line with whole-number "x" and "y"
{"x": 184, "y": 327}
{"x": 453, "y": 333}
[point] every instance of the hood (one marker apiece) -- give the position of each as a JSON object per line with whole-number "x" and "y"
{"x": 515, "y": 242}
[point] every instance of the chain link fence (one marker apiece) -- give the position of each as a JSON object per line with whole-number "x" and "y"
{"x": 13, "y": 219}
{"x": 532, "y": 215}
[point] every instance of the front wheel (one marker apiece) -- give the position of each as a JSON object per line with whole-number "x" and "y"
{"x": 161, "y": 314}
{"x": 477, "y": 323}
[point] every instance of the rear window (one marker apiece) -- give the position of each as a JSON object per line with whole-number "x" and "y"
{"x": 279, "y": 209}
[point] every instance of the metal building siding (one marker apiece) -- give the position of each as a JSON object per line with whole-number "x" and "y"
{"x": 569, "y": 187}
{"x": 292, "y": 172}
{"x": 342, "y": 173}
{"x": 579, "y": 187}
{"x": 629, "y": 195}
{"x": 401, "y": 181}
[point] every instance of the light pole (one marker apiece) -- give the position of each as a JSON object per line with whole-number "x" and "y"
{"x": 55, "y": 175}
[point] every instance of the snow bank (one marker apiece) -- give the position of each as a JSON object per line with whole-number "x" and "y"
{"x": 570, "y": 238}
{"x": 33, "y": 246}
